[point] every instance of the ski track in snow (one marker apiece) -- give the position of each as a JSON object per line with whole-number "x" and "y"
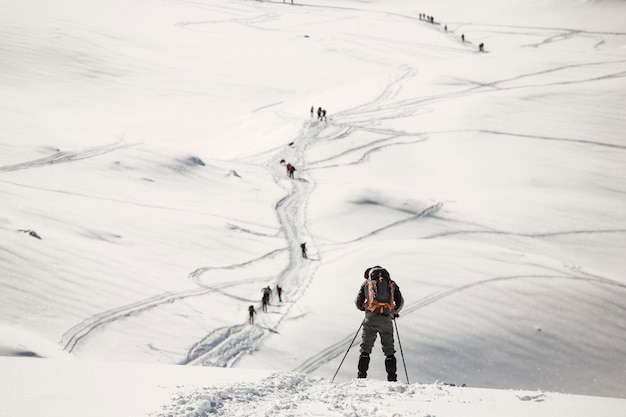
{"x": 224, "y": 346}
{"x": 78, "y": 333}
{"x": 335, "y": 350}
{"x": 64, "y": 157}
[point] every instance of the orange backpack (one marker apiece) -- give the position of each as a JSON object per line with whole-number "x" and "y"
{"x": 380, "y": 292}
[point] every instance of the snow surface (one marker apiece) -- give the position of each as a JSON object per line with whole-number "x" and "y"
{"x": 145, "y": 205}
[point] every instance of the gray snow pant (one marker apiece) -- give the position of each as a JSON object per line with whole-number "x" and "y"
{"x": 372, "y": 325}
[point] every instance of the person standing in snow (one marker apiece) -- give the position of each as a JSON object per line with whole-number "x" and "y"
{"x": 290, "y": 170}
{"x": 303, "y": 248}
{"x": 279, "y": 290}
{"x": 379, "y": 318}
{"x": 267, "y": 291}
{"x": 251, "y": 313}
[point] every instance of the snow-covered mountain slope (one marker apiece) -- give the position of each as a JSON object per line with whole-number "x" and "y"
{"x": 146, "y": 203}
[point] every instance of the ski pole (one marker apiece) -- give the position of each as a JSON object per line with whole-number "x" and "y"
{"x": 344, "y": 356}
{"x": 401, "y": 352}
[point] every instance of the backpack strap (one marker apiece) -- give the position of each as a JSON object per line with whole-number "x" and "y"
{"x": 392, "y": 292}
{"x": 370, "y": 298}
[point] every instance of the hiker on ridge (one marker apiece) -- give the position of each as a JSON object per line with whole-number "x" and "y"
{"x": 381, "y": 300}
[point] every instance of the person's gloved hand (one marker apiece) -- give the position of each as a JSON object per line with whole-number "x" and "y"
{"x": 394, "y": 315}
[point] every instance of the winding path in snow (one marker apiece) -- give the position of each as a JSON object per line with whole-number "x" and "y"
{"x": 224, "y": 346}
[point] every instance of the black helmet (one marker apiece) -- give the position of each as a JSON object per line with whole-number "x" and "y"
{"x": 377, "y": 271}
{"x": 366, "y": 275}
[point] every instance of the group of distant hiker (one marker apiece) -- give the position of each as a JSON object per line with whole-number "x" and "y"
{"x": 321, "y": 113}
{"x": 431, "y": 19}
{"x": 265, "y": 301}
{"x": 267, "y": 292}
{"x": 321, "y": 116}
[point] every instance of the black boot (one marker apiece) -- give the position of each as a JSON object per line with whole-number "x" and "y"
{"x": 364, "y": 363}
{"x": 390, "y": 367}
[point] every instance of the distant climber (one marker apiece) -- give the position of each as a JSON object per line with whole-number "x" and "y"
{"x": 251, "y": 313}
{"x": 303, "y": 248}
{"x": 267, "y": 292}
{"x": 279, "y": 291}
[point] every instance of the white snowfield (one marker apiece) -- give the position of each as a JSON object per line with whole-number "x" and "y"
{"x": 145, "y": 204}
{"x": 58, "y": 387}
